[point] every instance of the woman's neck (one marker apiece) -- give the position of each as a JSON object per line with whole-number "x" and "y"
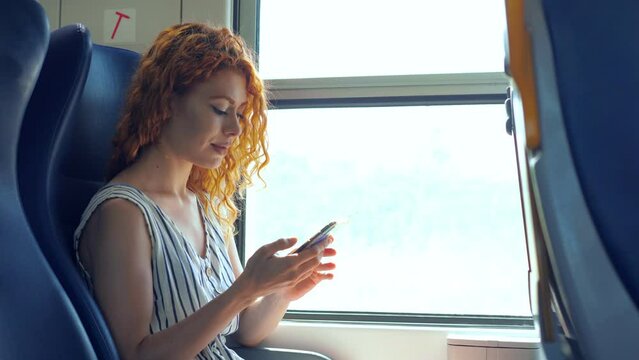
{"x": 159, "y": 171}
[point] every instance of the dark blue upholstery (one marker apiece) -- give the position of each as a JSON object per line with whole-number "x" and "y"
{"x": 59, "y": 86}
{"x": 584, "y": 173}
{"x": 85, "y": 143}
{"x": 75, "y": 164}
{"x": 37, "y": 320}
{"x": 597, "y": 50}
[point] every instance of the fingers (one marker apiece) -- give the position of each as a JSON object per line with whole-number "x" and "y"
{"x": 316, "y": 277}
{"x": 314, "y": 254}
{"x": 323, "y": 267}
{"x": 310, "y": 258}
{"x": 309, "y": 265}
{"x": 326, "y": 251}
{"x": 323, "y": 276}
{"x": 326, "y": 267}
{"x": 329, "y": 252}
{"x": 275, "y": 246}
{"x": 324, "y": 244}
{"x": 329, "y": 240}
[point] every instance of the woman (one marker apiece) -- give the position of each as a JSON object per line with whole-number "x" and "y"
{"x": 156, "y": 243}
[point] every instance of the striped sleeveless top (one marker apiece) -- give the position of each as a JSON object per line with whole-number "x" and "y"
{"x": 183, "y": 281}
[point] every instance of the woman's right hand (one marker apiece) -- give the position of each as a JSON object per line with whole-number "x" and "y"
{"x": 266, "y": 272}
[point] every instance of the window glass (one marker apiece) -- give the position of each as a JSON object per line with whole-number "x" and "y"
{"x": 429, "y": 197}
{"x": 334, "y": 38}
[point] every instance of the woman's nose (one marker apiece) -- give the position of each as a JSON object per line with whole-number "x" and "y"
{"x": 232, "y": 126}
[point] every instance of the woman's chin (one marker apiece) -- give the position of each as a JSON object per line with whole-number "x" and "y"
{"x": 211, "y": 164}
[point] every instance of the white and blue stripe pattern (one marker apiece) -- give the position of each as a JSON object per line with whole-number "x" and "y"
{"x": 183, "y": 281}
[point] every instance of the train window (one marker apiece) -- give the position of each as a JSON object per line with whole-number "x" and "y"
{"x": 334, "y": 38}
{"x": 429, "y": 198}
{"x": 391, "y": 119}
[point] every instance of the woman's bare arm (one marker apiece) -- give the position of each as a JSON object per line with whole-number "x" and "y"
{"x": 259, "y": 319}
{"x": 120, "y": 253}
{"x": 119, "y": 249}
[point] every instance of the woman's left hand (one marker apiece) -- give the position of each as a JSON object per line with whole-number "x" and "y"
{"x": 318, "y": 274}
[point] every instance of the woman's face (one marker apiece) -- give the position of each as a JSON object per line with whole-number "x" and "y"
{"x": 206, "y": 119}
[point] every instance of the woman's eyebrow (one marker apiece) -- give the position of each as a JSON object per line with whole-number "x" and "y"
{"x": 231, "y": 100}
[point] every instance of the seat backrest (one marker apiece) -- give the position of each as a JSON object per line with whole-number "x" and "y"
{"x": 597, "y": 60}
{"x": 37, "y": 320}
{"x": 585, "y": 62}
{"x": 54, "y": 99}
{"x": 85, "y": 144}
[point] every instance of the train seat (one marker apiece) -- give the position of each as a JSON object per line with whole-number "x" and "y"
{"x": 37, "y": 320}
{"x": 59, "y": 86}
{"x": 576, "y": 66}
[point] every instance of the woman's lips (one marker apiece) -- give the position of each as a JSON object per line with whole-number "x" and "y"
{"x": 220, "y": 148}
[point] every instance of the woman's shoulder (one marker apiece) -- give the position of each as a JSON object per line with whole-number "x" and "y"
{"x": 116, "y": 230}
{"x": 118, "y": 206}
{"x": 119, "y": 190}
{"x": 119, "y": 217}
{"x": 114, "y": 205}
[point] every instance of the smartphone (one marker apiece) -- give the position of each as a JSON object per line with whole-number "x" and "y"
{"x": 317, "y": 238}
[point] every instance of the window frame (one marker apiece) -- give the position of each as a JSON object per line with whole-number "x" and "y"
{"x": 369, "y": 91}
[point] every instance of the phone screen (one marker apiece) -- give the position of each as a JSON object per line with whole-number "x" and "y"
{"x": 317, "y": 238}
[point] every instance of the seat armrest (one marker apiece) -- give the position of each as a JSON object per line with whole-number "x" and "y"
{"x": 261, "y": 353}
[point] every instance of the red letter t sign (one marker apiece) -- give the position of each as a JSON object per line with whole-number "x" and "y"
{"x": 117, "y": 24}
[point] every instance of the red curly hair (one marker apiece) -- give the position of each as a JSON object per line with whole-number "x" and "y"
{"x": 181, "y": 56}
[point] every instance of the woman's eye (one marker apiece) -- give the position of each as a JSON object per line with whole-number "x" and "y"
{"x": 240, "y": 116}
{"x": 218, "y": 111}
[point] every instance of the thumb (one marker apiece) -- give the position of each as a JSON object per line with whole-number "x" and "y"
{"x": 275, "y": 246}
